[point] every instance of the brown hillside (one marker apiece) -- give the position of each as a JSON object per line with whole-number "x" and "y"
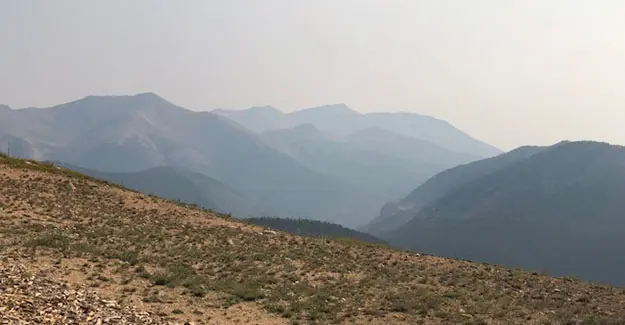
{"x": 76, "y": 250}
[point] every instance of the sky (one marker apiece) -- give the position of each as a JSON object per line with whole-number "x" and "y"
{"x": 507, "y": 72}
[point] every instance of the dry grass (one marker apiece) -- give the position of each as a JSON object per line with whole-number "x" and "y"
{"x": 188, "y": 264}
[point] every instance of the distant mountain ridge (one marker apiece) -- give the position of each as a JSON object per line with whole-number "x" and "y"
{"x": 340, "y": 121}
{"x": 418, "y": 151}
{"x": 390, "y": 175}
{"x": 327, "y": 163}
{"x": 558, "y": 210}
{"x": 139, "y": 132}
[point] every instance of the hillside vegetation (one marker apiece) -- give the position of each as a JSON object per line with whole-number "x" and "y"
{"x": 559, "y": 210}
{"x": 169, "y": 261}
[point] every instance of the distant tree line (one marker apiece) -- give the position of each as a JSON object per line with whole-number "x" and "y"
{"x": 313, "y": 228}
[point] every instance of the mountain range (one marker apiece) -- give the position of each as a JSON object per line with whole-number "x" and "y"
{"x": 367, "y": 168}
{"x": 340, "y": 121}
{"x": 316, "y": 163}
{"x": 556, "y": 209}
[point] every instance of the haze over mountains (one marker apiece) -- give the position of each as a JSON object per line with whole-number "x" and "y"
{"x": 556, "y": 209}
{"x": 316, "y": 163}
{"x": 342, "y": 121}
{"x": 396, "y": 213}
{"x": 366, "y": 168}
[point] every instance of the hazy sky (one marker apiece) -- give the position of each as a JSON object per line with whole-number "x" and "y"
{"x": 507, "y": 72}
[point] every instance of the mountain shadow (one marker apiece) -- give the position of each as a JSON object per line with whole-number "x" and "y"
{"x": 559, "y": 210}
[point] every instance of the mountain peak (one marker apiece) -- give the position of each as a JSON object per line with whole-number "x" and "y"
{"x": 152, "y": 99}
{"x": 561, "y": 143}
{"x": 121, "y": 102}
{"x": 567, "y": 145}
{"x": 149, "y": 96}
{"x": 584, "y": 148}
{"x": 333, "y": 109}
{"x": 266, "y": 108}
{"x": 263, "y": 110}
{"x": 140, "y": 96}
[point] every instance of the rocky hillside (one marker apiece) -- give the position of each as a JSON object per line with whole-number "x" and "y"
{"x": 107, "y": 253}
{"x": 33, "y": 297}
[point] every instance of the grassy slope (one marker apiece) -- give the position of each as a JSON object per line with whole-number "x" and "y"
{"x": 151, "y": 252}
